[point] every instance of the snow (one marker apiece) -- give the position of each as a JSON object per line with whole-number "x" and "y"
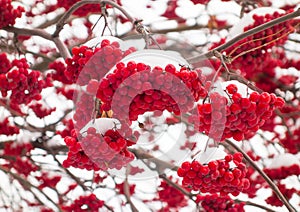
{"x": 102, "y": 125}
{"x": 284, "y": 160}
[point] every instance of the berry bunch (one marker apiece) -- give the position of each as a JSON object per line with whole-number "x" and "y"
{"x": 120, "y": 188}
{"x": 22, "y": 165}
{"x": 200, "y": 1}
{"x": 59, "y": 72}
{"x": 283, "y": 171}
{"x": 250, "y": 62}
{"x": 216, "y": 176}
{"x": 17, "y": 149}
{"x": 215, "y": 202}
{"x": 9, "y": 14}
{"x": 7, "y": 129}
{"x": 85, "y": 203}
{"x": 288, "y": 193}
{"x": 137, "y": 88}
{"x": 47, "y": 181}
{"x": 106, "y": 151}
{"x": 40, "y": 110}
{"x": 242, "y": 118}
{"x": 69, "y": 126}
{"x": 94, "y": 63}
{"x": 25, "y": 85}
{"x": 291, "y": 142}
{"x": 76, "y": 156}
{"x": 82, "y": 11}
{"x": 173, "y": 197}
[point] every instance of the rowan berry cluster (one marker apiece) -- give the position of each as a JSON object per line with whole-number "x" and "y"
{"x": 9, "y": 14}
{"x": 82, "y": 11}
{"x": 94, "y": 63}
{"x": 85, "y": 203}
{"x": 216, "y": 176}
{"x": 200, "y": 1}
{"x": 48, "y": 181}
{"x": 69, "y": 126}
{"x": 242, "y": 117}
{"x": 17, "y": 149}
{"x": 25, "y": 85}
{"x": 283, "y": 171}
{"x": 121, "y": 190}
{"x": 251, "y": 62}
{"x": 7, "y": 129}
{"x": 59, "y": 72}
{"x": 106, "y": 151}
{"x": 288, "y": 193}
{"x": 215, "y": 202}
{"x": 141, "y": 88}
{"x": 172, "y": 196}
{"x": 291, "y": 142}
{"x": 40, "y": 110}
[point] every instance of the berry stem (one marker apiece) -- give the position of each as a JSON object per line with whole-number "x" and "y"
{"x": 241, "y": 36}
{"x": 263, "y": 174}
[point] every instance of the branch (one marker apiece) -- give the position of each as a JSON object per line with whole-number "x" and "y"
{"x": 239, "y": 37}
{"x": 62, "y": 48}
{"x": 140, "y": 154}
{"x": 263, "y": 174}
{"x": 28, "y": 185}
{"x": 61, "y": 22}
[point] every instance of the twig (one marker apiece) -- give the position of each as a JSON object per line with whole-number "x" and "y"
{"x": 239, "y": 37}
{"x": 127, "y": 191}
{"x": 61, "y": 22}
{"x": 263, "y": 174}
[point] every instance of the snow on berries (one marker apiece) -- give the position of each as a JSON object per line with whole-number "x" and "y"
{"x": 137, "y": 88}
{"x": 9, "y": 14}
{"x": 94, "y": 151}
{"x": 216, "y": 175}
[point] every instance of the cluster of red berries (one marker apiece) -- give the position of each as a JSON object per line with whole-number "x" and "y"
{"x": 121, "y": 190}
{"x": 58, "y": 72}
{"x": 25, "y": 85}
{"x": 172, "y": 196}
{"x": 200, "y": 1}
{"x": 40, "y": 110}
{"x": 215, "y": 202}
{"x": 17, "y": 149}
{"x": 85, "y": 203}
{"x": 19, "y": 160}
{"x": 283, "y": 171}
{"x": 85, "y": 109}
{"x": 7, "y": 129}
{"x": 22, "y": 165}
{"x": 76, "y": 156}
{"x": 137, "y": 88}
{"x": 9, "y": 14}
{"x": 108, "y": 151}
{"x": 288, "y": 193}
{"x": 82, "y": 11}
{"x": 95, "y": 151}
{"x": 216, "y": 176}
{"x": 48, "y": 181}
{"x": 69, "y": 126}
{"x": 170, "y": 12}
{"x": 93, "y": 63}
{"x": 291, "y": 142}
{"x": 242, "y": 118}
{"x": 251, "y": 62}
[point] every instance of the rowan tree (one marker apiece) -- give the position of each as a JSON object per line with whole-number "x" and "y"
{"x": 171, "y": 105}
